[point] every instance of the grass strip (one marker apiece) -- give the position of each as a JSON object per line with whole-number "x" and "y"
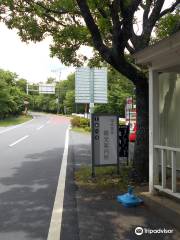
{"x": 106, "y": 178}
{"x": 14, "y": 120}
{"x": 81, "y": 130}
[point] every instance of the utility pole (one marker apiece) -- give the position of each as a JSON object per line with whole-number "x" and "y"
{"x": 58, "y": 107}
{"x": 58, "y": 90}
{"x": 59, "y": 71}
{"x": 27, "y": 89}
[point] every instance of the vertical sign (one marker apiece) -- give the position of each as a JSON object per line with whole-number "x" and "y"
{"x": 104, "y": 140}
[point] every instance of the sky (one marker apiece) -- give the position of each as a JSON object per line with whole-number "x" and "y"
{"x": 32, "y": 61}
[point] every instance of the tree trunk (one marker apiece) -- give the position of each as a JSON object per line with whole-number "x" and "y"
{"x": 141, "y": 153}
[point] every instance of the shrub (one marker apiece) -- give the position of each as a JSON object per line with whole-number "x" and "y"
{"x": 80, "y": 122}
{"x": 84, "y": 122}
{"x": 87, "y": 129}
{"x": 75, "y": 122}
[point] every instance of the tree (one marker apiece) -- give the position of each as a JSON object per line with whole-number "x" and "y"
{"x": 168, "y": 25}
{"x": 69, "y": 102}
{"x": 12, "y": 95}
{"x": 4, "y": 98}
{"x": 108, "y": 27}
{"x": 21, "y": 84}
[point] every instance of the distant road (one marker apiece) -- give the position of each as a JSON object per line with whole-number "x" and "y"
{"x": 30, "y": 161}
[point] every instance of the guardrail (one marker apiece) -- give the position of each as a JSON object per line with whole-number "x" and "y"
{"x": 173, "y": 152}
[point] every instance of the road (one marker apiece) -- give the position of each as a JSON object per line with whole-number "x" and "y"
{"x": 30, "y": 162}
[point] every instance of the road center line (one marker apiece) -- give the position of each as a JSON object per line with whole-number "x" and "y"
{"x": 19, "y": 140}
{"x": 40, "y": 127}
{"x": 56, "y": 218}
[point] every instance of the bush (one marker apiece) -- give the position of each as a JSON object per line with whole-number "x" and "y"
{"x": 80, "y": 122}
{"x": 84, "y": 122}
{"x": 87, "y": 129}
{"x": 75, "y": 122}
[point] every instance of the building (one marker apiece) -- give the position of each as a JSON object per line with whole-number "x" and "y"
{"x": 163, "y": 61}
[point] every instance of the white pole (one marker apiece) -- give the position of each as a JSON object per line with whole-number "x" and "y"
{"x": 153, "y": 128}
{"x": 27, "y": 89}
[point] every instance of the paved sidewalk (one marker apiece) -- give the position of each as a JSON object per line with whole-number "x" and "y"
{"x": 98, "y": 214}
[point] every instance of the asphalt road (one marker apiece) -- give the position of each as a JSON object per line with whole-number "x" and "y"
{"x": 30, "y": 161}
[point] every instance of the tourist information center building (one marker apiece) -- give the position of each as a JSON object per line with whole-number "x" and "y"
{"x": 163, "y": 61}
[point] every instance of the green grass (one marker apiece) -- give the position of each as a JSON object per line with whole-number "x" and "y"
{"x": 81, "y": 130}
{"x": 106, "y": 178}
{"x": 14, "y": 120}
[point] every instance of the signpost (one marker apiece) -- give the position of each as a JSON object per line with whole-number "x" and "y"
{"x": 91, "y": 86}
{"x": 104, "y": 141}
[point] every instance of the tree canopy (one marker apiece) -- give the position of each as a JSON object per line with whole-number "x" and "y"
{"x": 12, "y": 95}
{"x": 107, "y": 26}
{"x": 168, "y": 25}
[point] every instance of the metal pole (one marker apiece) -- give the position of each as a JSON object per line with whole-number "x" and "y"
{"x": 58, "y": 106}
{"x": 76, "y": 108}
{"x": 27, "y": 90}
{"x": 91, "y": 93}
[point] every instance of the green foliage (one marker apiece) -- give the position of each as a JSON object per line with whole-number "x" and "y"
{"x": 69, "y": 102}
{"x": 87, "y": 129}
{"x": 106, "y": 179}
{"x": 12, "y": 94}
{"x": 168, "y": 25}
{"x": 49, "y": 103}
{"x": 21, "y": 84}
{"x": 84, "y": 122}
{"x": 80, "y": 122}
{"x": 75, "y": 122}
{"x": 14, "y": 120}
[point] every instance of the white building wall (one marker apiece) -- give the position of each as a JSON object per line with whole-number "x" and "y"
{"x": 169, "y": 110}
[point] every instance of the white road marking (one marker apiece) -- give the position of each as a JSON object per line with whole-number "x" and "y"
{"x": 19, "y": 140}
{"x": 56, "y": 218}
{"x": 14, "y": 127}
{"x": 40, "y": 127}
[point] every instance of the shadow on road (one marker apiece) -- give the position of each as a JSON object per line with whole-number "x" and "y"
{"x": 28, "y": 197}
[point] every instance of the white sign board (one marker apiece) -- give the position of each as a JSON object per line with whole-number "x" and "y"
{"x": 91, "y": 85}
{"x": 104, "y": 139}
{"x": 47, "y": 88}
{"x": 82, "y": 85}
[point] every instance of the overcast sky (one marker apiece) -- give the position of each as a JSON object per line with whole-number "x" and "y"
{"x": 32, "y": 61}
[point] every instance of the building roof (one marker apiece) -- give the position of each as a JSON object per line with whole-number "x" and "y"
{"x": 163, "y": 56}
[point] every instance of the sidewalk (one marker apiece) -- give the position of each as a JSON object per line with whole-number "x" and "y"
{"x": 100, "y": 217}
